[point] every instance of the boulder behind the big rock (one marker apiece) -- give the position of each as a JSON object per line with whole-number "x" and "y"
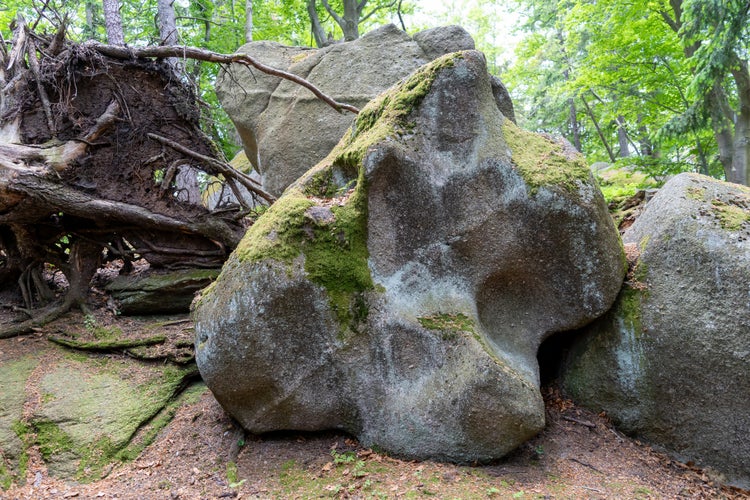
{"x": 401, "y": 288}
{"x": 671, "y": 361}
{"x": 285, "y": 129}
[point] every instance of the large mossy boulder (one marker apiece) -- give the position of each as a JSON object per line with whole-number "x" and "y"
{"x": 284, "y": 128}
{"x": 401, "y": 288}
{"x": 671, "y": 362}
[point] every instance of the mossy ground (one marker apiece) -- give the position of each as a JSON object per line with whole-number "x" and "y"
{"x": 120, "y": 430}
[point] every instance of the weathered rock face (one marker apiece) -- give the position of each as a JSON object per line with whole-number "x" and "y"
{"x": 284, "y": 128}
{"x": 671, "y": 361}
{"x": 400, "y": 289}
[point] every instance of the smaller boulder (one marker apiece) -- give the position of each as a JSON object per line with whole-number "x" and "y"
{"x": 671, "y": 361}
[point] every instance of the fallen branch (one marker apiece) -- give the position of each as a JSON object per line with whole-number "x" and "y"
{"x": 584, "y": 423}
{"x": 166, "y": 51}
{"x": 63, "y": 198}
{"x": 585, "y": 465}
{"x": 41, "y": 319}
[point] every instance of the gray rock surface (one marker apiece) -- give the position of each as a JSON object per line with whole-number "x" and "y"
{"x": 286, "y": 130}
{"x": 671, "y": 362}
{"x": 400, "y": 289}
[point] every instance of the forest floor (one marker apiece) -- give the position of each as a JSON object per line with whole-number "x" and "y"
{"x": 202, "y": 454}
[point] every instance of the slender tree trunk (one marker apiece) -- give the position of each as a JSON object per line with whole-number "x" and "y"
{"x": 168, "y": 29}
{"x": 598, "y": 130}
{"x": 167, "y": 22}
{"x": 248, "y": 21}
{"x": 317, "y": 29}
{"x": 113, "y": 22}
{"x": 350, "y": 25}
{"x": 622, "y": 137}
{"x": 574, "y": 126}
{"x": 740, "y": 171}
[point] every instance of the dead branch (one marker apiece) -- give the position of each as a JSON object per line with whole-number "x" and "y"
{"x": 579, "y": 422}
{"x": 45, "y": 316}
{"x": 220, "y": 167}
{"x": 166, "y": 51}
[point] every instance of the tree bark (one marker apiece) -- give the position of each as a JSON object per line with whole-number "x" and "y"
{"x": 622, "y": 137}
{"x": 168, "y": 29}
{"x": 248, "y": 21}
{"x": 113, "y": 22}
{"x": 574, "y": 126}
{"x": 321, "y": 40}
{"x": 740, "y": 169}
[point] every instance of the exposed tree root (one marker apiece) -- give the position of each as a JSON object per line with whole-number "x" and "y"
{"x": 41, "y": 318}
{"x": 107, "y": 345}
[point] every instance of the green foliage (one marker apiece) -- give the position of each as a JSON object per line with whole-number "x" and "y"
{"x": 618, "y": 66}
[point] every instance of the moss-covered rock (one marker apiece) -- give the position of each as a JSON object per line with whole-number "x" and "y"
{"x": 13, "y": 375}
{"x": 399, "y": 289}
{"x": 671, "y": 362}
{"x": 159, "y": 293}
{"x": 83, "y": 412}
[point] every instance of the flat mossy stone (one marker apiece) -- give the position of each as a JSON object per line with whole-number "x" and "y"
{"x": 14, "y": 375}
{"x": 91, "y": 408}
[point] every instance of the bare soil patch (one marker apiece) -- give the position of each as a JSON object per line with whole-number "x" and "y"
{"x": 203, "y": 454}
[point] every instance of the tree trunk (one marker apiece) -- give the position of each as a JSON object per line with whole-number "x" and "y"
{"x": 248, "y": 21}
{"x": 350, "y": 24}
{"x": 168, "y": 30}
{"x": 167, "y": 22}
{"x": 574, "y": 126}
{"x": 113, "y": 22}
{"x": 740, "y": 171}
{"x": 317, "y": 29}
{"x": 622, "y": 137}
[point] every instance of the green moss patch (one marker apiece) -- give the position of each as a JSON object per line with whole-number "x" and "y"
{"x": 95, "y": 413}
{"x": 732, "y": 217}
{"x": 450, "y": 322}
{"x": 324, "y": 215}
{"x": 13, "y": 377}
{"x": 544, "y": 162}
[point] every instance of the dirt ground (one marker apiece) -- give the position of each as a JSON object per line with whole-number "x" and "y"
{"x": 201, "y": 454}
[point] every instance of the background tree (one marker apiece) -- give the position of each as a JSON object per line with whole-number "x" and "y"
{"x": 715, "y": 36}
{"x": 348, "y": 15}
{"x": 113, "y": 22}
{"x": 614, "y": 78}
